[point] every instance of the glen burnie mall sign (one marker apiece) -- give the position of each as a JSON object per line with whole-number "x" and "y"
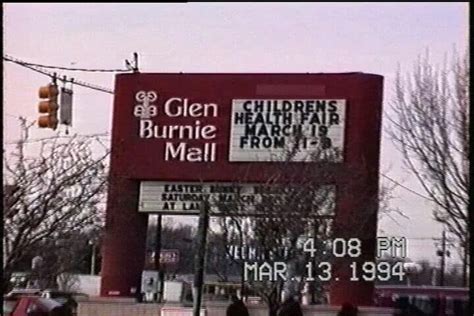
{"x": 194, "y": 134}
{"x": 176, "y": 136}
{"x": 261, "y": 129}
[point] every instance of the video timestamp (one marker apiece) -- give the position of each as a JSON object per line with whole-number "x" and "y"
{"x": 339, "y": 247}
{"x": 317, "y": 266}
{"x": 365, "y": 271}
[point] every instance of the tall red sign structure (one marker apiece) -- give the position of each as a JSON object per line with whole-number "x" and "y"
{"x": 186, "y": 128}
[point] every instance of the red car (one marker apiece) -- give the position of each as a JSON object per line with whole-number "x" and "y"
{"x": 33, "y": 306}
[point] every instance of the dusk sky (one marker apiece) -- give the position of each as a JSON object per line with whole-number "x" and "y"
{"x": 236, "y": 37}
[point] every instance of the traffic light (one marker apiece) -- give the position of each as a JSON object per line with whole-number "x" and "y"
{"x": 65, "y": 107}
{"x": 49, "y": 106}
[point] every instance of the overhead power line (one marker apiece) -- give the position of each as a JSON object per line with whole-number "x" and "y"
{"x": 407, "y": 188}
{"x": 9, "y": 58}
{"x": 55, "y": 75}
{"x": 88, "y": 85}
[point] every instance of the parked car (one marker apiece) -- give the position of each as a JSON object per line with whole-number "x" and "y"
{"x": 68, "y": 299}
{"x": 19, "y": 279}
{"x": 33, "y": 306}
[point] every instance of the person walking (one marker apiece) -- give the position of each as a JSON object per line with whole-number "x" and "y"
{"x": 237, "y": 307}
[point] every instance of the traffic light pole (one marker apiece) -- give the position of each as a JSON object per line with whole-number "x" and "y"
{"x": 443, "y": 258}
{"x": 199, "y": 258}
{"x": 157, "y": 256}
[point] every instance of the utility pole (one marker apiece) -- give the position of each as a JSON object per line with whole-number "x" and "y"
{"x": 465, "y": 261}
{"x": 442, "y": 253}
{"x": 315, "y": 227}
{"x": 200, "y": 257}
{"x": 157, "y": 256}
{"x": 135, "y": 62}
{"x": 133, "y": 66}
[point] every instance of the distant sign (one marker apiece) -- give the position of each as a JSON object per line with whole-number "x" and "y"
{"x": 169, "y": 256}
{"x": 266, "y": 130}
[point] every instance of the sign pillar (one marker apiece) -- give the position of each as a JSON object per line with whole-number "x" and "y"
{"x": 200, "y": 257}
{"x": 125, "y": 240}
{"x": 357, "y": 196}
{"x": 158, "y": 267}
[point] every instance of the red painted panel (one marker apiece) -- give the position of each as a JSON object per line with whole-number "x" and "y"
{"x": 143, "y": 158}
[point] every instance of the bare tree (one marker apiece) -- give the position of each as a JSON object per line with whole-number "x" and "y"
{"x": 295, "y": 203}
{"x": 430, "y": 128}
{"x": 58, "y": 191}
{"x": 386, "y": 195}
{"x": 68, "y": 282}
{"x": 283, "y": 215}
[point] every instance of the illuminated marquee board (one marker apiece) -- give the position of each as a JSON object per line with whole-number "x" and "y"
{"x": 266, "y": 130}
